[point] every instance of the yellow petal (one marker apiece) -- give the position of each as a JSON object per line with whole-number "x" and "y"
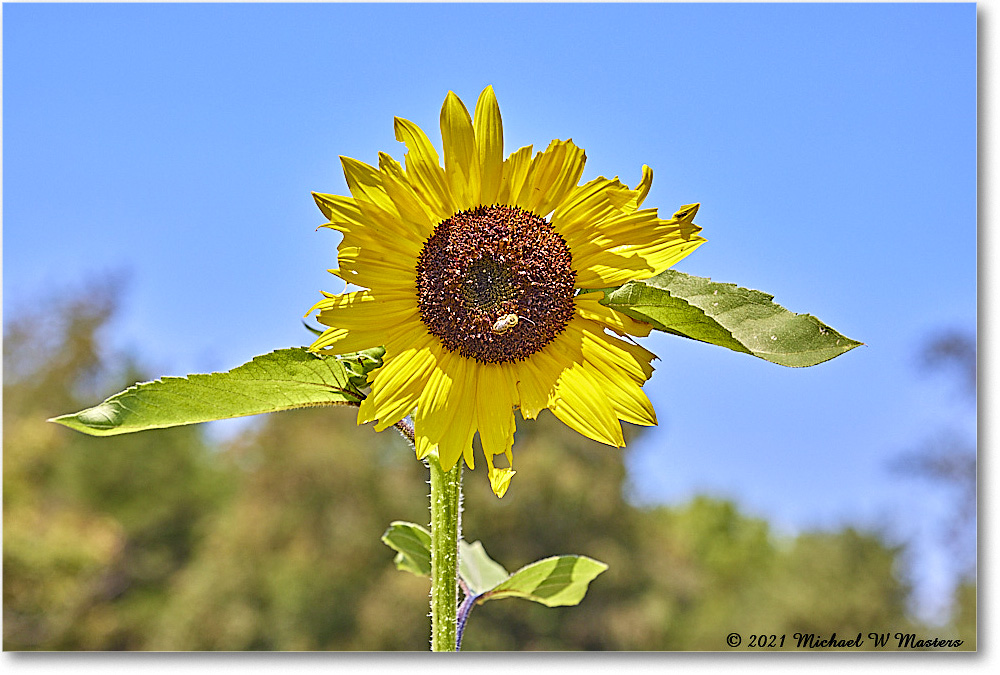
{"x": 536, "y": 378}
{"x": 370, "y": 224}
{"x": 587, "y": 205}
{"x": 365, "y": 184}
{"x": 424, "y": 168}
{"x": 342, "y": 341}
{"x": 629, "y": 401}
{"x": 635, "y": 246}
{"x": 366, "y": 267}
{"x": 384, "y": 251}
{"x": 553, "y": 175}
{"x": 362, "y": 319}
{"x": 432, "y": 405}
{"x": 618, "y": 368}
{"x": 397, "y": 385}
{"x": 461, "y": 161}
{"x": 588, "y": 306}
{"x": 328, "y": 204}
{"x": 626, "y": 357}
{"x": 615, "y": 270}
{"x": 499, "y": 477}
{"x": 414, "y": 211}
{"x": 468, "y": 454}
{"x": 578, "y": 400}
{"x": 495, "y": 398}
{"x": 581, "y": 404}
{"x": 489, "y": 143}
{"x": 627, "y": 398}
{"x": 380, "y": 311}
{"x": 620, "y": 229}
{"x": 384, "y": 223}
{"x": 515, "y": 173}
{"x": 644, "y": 185}
{"x": 585, "y": 340}
{"x": 445, "y": 415}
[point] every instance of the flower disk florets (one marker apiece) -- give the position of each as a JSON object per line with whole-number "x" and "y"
{"x": 495, "y": 283}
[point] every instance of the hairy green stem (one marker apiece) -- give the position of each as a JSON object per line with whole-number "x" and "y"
{"x": 446, "y": 526}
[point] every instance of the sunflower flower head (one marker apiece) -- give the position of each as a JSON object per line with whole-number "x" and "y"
{"x": 474, "y": 278}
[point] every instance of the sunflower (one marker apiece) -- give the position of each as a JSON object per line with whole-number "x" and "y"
{"x": 475, "y": 280}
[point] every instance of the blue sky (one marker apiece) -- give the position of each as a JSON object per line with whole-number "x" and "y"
{"x": 832, "y": 147}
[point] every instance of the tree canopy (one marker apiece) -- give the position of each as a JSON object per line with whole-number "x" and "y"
{"x": 164, "y": 541}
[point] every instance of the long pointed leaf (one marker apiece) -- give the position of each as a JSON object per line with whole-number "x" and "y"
{"x": 281, "y": 380}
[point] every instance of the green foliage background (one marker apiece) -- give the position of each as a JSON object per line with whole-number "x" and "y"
{"x": 161, "y": 541}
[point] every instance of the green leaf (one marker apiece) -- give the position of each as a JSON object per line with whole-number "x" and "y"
{"x": 413, "y": 546}
{"x": 726, "y": 315}
{"x": 281, "y": 380}
{"x": 311, "y": 329}
{"x": 359, "y": 364}
{"x": 480, "y": 572}
{"x": 554, "y": 582}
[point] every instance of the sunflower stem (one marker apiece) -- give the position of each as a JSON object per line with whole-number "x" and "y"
{"x": 405, "y": 428}
{"x": 463, "y": 613}
{"x": 446, "y": 525}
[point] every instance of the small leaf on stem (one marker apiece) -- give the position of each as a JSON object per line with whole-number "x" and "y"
{"x": 553, "y": 582}
{"x": 413, "y": 546}
{"x": 477, "y": 569}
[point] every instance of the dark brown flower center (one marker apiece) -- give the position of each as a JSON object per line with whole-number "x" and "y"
{"x": 495, "y": 283}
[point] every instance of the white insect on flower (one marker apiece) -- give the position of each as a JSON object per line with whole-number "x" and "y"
{"x": 506, "y": 322}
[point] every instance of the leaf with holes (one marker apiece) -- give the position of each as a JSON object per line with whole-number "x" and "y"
{"x": 726, "y": 315}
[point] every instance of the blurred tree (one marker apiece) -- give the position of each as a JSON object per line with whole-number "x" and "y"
{"x": 844, "y": 582}
{"x": 93, "y": 528}
{"x": 964, "y": 613}
{"x": 956, "y": 350}
{"x": 948, "y": 460}
{"x": 294, "y": 560}
{"x": 155, "y": 541}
